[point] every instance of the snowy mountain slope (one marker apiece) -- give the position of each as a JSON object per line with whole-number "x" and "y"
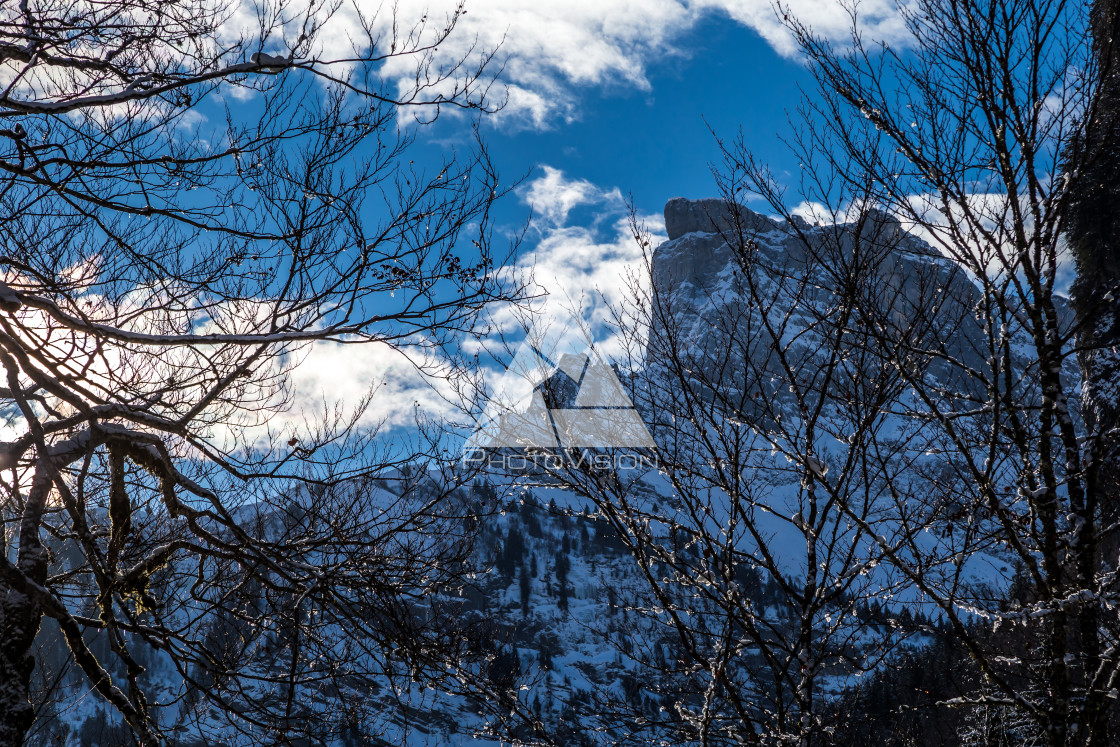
{"x": 571, "y": 616}
{"x": 747, "y": 301}
{"x": 711, "y": 311}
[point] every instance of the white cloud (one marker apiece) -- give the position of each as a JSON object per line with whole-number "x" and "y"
{"x": 879, "y": 19}
{"x": 549, "y": 49}
{"x": 333, "y": 372}
{"x": 373, "y": 383}
{"x": 581, "y": 271}
{"x": 553, "y": 196}
{"x": 552, "y": 48}
{"x": 581, "y": 276}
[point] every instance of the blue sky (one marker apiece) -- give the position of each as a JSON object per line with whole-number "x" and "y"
{"x": 606, "y": 99}
{"x": 636, "y": 120}
{"x": 651, "y": 137}
{"x": 656, "y": 143}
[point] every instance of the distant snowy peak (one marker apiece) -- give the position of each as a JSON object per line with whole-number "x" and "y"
{"x": 702, "y": 234}
{"x": 711, "y": 215}
{"x": 799, "y": 273}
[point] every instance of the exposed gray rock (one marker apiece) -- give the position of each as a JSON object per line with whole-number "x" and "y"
{"x": 711, "y": 215}
{"x": 695, "y": 258}
{"x": 701, "y": 283}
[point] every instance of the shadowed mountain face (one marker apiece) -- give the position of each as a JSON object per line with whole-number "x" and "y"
{"x": 569, "y": 609}
{"x": 726, "y": 271}
{"x": 729, "y": 278}
{"x": 713, "y": 243}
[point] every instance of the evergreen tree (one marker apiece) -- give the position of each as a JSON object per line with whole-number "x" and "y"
{"x": 513, "y": 551}
{"x": 526, "y": 589}
{"x": 528, "y": 504}
{"x": 500, "y": 558}
{"x": 563, "y": 565}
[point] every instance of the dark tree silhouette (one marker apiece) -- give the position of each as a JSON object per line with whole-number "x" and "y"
{"x": 1094, "y": 233}
{"x": 924, "y": 407}
{"x": 185, "y": 210}
{"x": 525, "y": 587}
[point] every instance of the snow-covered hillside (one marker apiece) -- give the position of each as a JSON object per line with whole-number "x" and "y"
{"x": 587, "y": 632}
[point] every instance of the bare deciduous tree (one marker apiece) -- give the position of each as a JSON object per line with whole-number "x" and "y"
{"x": 762, "y": 392}
{"x": 966, "y": 137}
{"x": 941, "y": 395}
{"x": 192, "y": 197}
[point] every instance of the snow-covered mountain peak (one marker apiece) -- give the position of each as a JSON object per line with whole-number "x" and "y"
{"x": 797, "y": 268}
{"x": 710, "y": 215}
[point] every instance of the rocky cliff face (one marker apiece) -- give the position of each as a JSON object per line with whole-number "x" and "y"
{"x": 700, "y": 275}
{"x": 711, "y": 215}
{"x": 710, "y": 239}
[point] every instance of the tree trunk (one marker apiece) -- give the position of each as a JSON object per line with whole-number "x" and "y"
{"x": 19, "y": 622}
{"x": 20, "y": 615}
{"x": 1094, "y": 237}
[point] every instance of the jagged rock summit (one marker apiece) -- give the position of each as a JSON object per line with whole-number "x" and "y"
{"x": 699, "y": 273}
{"x": 701, "y": 235}
{"x": 703, "y": 232}
{"x": 710, "y": 215}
